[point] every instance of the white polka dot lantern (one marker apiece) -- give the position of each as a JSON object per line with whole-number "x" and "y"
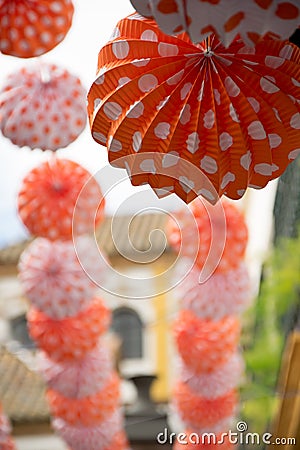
{"x": 196, "y": 119}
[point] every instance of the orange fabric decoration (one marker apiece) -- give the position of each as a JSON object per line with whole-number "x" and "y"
{"x": 42, "y": 106}
{"x": 87, "y": 411}
{"x": 250, "y": 19}
{"x": 50, "y": 195}
{"x": 71, "y": 338}
{"x": 33, "y": 28}
{"x": 205, "y": 344}
{"x": 200, "y": 412}
{"x": 236, "y": 235}
{"x": 196, "y": 119}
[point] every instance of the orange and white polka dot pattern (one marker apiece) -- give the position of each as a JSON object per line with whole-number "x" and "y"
{"x": 49, "y": 194}
{"x": 249, "y": 19}
{"x": 42, "y": 106}
{"x": 29, "y": 29}
{"x": 232, "y": 113}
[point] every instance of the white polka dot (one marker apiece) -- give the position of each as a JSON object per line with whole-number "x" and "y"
{"x": 122, "y": 81}
{"x": 267, "y": 86}
{"x": 295, "y": 82}
{"x": 217, "y": 96}
{"x": 164, "y": 191}
{"x": 114, "y": 145}
{"x": 162, "y": 130}
{"x": 140, "y": 62}
{"x": 265, "y": 169}
{"x": 231, "y": 87}
{"x": 241, "y": 192}
{"x": 185, "y": 114}
{"x": 254, "y": 103}
{"x": 225, "y": 141}
{"x": 295, "y": 121}
{"x": 115, "y": 34}
{"x": 97, "y": 102}
{"x": 149, "y": 35}
{"x": 120, "y": 49}
{"x": 186, "y": 184}
{"x": 148, "y": 166}
{"x": 274, "y": 140}
{"x": 136, "y": 110}
{"x": 256, "y": 130}
{"x": 228, "y": 178}
{"x": 206, "y": 194}
{"x": 273, "y": 61}
{"x": 175, "y": 78}
{"x": 286, "y": 52}
{"x": 162, "y": 103}
{"x": 185, "y": 90}
{"x": 201, "y": 92}
{"x": 112, "y": 110}
{"x": 246, "y": 160}
{"x": 209, "y": 165}
{"x": 170, "y": 159}
{"x": 147, "y": 82}
{"x": 193, "y": 142}
{"x": 233, "y": 114}
{"x": 137, "y": 141}
{"x": 165, "y": 49}
{"x": 294, "y": 153}
{"x": 99, "y": 137}
{"x": 100, "y": 79}
{"x": 209, "y": 119}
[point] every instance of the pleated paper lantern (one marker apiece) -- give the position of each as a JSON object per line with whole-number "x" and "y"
{"x": 87, "y": 411}
{"x": 217, "y": 383}
{"x": 71, "y": 338}
{"x": 50, "y": 194}
{"x": 194, "y": 441}
{"x": 79, "y": 378}
{"x": 249, "y": 19}
{"x": 201, "y": 412}
{"x": 33, "y": 28}
{"x": 42, "y": 107}
{"x": 235, "y": 237}
{"x": 196, "y": 119}
{"x": 221, "y": 295}
{"x": 98, "y": 437}
{"x": 53, "y": 279}
{"x": 204, "y": 344}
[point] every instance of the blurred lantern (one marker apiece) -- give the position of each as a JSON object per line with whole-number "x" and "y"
{"x": 86, "y": 411}
{"x": 205, "y": 344}
{"x": 80, "y": 378}
{"x": 249, "y": 19}
{"x": 98, "y": 437}
{"x": 206, "y": 442}
{"x": 51, "y": 193}
{"x": 43, "y": 107}
{"x": 70, "y": 338}
{"x": 160, "y": 102}
{"x": 6, "y": 442}
{"x": 235, "y": 240}
{"x": 33, "y": 28}
{"x": 201, "y": 412}
{"x": 221, "y": 295}
{"x": 53, "y": 279}
{"x": 217, "y": 383}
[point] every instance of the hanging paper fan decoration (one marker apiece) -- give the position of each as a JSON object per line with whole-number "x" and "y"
{"x": 81, "y": 377}
{"x": 204, "y": 344}
{"x": 235, "y": 237}
{"x": 71, "y": 338}
{"x": 53, "y": 279}
{"x": 42, "y": 106}
{"x": 201, "y": 412}
{"x": 49, "y": 196}
{"x": 180, "y": 116}
{"x": 221, "y": 295}
{"x": 98, "y": 437}
{"x": 217, "y": 383}
{"x": 192, "y": 442}
{"x": 33, "y": 28}
{"x": 86, "y": 411}
{"x": 250, "y": 19}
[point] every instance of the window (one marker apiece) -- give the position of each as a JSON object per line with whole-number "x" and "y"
{"x": 128, "y": 326}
